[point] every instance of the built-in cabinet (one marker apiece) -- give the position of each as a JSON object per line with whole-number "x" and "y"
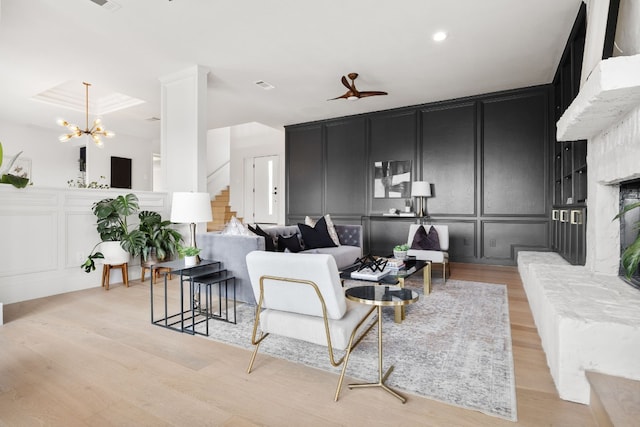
{"x": 570, "y": 157}
{"x": 486, "y": 158}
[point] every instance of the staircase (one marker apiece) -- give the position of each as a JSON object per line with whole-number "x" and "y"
{"x": 221, "y": 211}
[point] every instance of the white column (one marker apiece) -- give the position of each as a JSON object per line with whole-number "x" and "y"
{"x": 184, "y": 131}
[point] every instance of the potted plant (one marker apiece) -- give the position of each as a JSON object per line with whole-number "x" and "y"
{"x": 114, "y": 230}
{"x": 631, "y": 255}
{"x": 161, "y": 241}
{"x": 400, "y": 251}
{"x": 9, "y": 178}
{"x": 190, "y": 254}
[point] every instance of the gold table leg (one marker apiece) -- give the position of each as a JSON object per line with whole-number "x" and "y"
{"x": 399, "y": 313}
{"x": 381, "y": 378}
{"x": 427, "y": 278}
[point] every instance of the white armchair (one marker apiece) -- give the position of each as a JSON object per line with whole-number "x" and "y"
{"x": 300, "y": 296}
{"x": 435, "y": 256}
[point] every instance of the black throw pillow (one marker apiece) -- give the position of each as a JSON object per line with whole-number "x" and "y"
{"x": 316, "y": 237}
{"x": 269, "y": 245}
{"x": 291, "y": 243}
{"x": 426, "y": 241}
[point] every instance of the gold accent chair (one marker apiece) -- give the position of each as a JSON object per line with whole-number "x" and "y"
{"x": 300, "y": 296}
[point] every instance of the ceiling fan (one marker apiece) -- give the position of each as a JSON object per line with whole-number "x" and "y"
{"x": 354, "y": 94}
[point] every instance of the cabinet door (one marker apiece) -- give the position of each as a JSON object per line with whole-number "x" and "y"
{"x": 577, "y": 224}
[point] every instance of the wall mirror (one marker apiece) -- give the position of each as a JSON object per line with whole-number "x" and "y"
{"x": 392, "y": 179}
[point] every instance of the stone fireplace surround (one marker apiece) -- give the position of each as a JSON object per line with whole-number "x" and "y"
{"x": 587, "y": 317}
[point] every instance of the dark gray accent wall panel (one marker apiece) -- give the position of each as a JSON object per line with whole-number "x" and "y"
{"x": 449, "y": 158}
{"x": 514, "y": 155}
{"x": 392, "y": 137}
{"x": 304, "y": 171}
{"x": 387, "y": 233}
{"x": 487, "y": 157}
{"x": 502, "y": 238}
{"x": 346, "y": 173}
{"x": 463, "y": 237}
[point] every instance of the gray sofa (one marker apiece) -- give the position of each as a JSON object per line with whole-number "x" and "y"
{"x": 350, "y": 237}
{"x": 232, "y": 250}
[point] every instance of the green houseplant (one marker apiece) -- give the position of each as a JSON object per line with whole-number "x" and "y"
{"x": 186, "y": 251}
{"x": 112, "y": 226}
{"x": 161, "y": 240}
{"x": 631, "y": 255}
{"x": 190, "y": 254}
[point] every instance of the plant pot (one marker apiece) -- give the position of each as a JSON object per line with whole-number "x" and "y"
{"x": 113, "y": 253}
{"x": 399, "y": 254}
{"x": 190, "y": 260}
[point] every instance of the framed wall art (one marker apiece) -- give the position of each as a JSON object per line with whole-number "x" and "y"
{"x": 392, "y": 179}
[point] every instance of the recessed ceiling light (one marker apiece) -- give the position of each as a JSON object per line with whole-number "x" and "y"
{"x": 439, "y": 36}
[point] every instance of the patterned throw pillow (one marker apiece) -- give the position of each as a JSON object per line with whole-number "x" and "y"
{"x": 330, "y": 227}
{"x": 235, "y": 227}
{"x": 426, "y": 241}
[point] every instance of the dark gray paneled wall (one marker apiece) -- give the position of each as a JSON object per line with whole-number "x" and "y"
{"x": 449, "y": 158}
{"x": 305, "y": 174}
{"x": 486, "y": 157}
{"x": 346, "y": 166}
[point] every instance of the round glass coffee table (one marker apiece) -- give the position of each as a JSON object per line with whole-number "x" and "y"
{"x": 381, "y": 296}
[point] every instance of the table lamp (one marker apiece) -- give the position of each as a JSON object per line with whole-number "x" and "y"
{"x": 191, "y": 208}
{"x": 421, "y": 189}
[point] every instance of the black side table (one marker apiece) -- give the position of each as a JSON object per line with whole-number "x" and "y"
{"x": 219, "y": 278}
{"x": 185, "y": 317}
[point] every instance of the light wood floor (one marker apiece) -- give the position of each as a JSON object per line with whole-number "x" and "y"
{"x": 93, "y": 358}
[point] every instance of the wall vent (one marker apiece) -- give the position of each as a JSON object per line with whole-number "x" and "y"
{"x": 109, "y": 5}
{"x": 264, "y": 85}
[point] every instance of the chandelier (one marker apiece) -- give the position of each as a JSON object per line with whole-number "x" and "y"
{"x": 96, "y": 130}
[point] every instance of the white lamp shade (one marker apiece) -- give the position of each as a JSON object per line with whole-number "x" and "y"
{"x": 420, "y": 189}
{"x": 191, "y": 208}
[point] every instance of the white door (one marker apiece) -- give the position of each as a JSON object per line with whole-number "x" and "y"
{"x": 265, "y": 189}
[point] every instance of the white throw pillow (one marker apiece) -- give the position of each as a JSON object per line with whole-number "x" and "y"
{"x": 235, "y": 227}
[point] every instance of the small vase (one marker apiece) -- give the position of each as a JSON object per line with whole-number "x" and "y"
{"x": 190, "y": 260}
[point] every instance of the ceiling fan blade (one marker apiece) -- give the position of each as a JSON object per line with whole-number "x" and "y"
{"x": 347, "y": 84}
{"x": 372, "y": 93}
{"x": 345, "y": 96}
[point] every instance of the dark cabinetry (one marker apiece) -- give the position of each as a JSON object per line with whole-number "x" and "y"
{"x": 569, "y": 233}
{"x": 570, "y": 157}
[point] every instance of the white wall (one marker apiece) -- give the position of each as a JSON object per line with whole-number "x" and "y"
{"x": 628, "y": 30}
{"x": 218, "y": 157}
{"x": 627, "y": 34}
{"x": 254, "y": 140}
{"x": 138, "y": 150}
{"x": 47, "y": 234}
{"x": 54, "y": 163}
{"x": 597, "y": 12}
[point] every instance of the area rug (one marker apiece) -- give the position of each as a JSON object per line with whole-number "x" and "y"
{"x": 454, "y": 347}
